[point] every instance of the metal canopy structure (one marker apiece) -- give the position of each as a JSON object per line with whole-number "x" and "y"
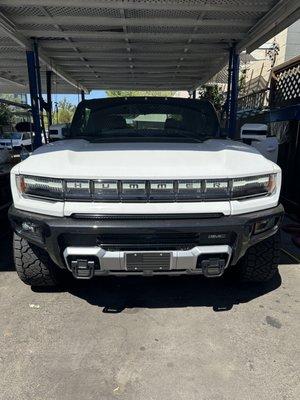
{"x": 132, "y": 44}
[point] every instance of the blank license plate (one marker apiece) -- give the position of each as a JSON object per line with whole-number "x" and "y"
{"x": 148, "y": 261}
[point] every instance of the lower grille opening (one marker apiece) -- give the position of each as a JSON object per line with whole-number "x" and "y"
{"x": 158, "y": 241}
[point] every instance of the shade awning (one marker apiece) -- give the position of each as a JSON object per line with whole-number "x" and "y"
{"x": 132, "y": 44}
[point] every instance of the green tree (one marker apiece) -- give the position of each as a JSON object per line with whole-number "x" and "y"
{"x": 11, "y": 97}
{"x": 8, "y": 112}
{"x": 242, "y": 81}
{"x": 65, "y": 111}
{"x": 137, "y": 93}
{"x": 5, "y": 115}
{"x": 213, "y": 94}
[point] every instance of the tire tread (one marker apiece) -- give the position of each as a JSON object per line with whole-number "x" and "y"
{"x": 33, "y": 264}
{"x": 260, "y": 263}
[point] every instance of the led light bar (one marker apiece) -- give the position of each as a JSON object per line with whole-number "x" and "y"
{"x": 190, "y": 189}
{"x": 134, "y": 191}
{"x": 77, "y": 189}
{"x": 147, "y": 190}
{"x": 106, "y": 190}
{"x": 162, "y": 190}
{"x": 216, "y": 189}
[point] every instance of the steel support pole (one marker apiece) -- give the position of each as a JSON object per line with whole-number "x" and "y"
{"x": 227, "y": 105}
{"x": 39, "y": 85}
{"x": 82, "y": 95}
{"x": 232, "y": 128}
{"x": 49, "y": 96}
{"x": 35, "y": 108}
{"x": 38, "y": 73}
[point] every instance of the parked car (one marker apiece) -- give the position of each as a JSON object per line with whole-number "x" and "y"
{"x": 121, "y": 199}
{"x": 16, "y": 140}
{"x": 58, "y": 132}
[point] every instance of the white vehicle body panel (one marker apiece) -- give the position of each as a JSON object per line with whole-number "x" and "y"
{"x": 148, "y": 208}
{"x": 268, "y": 148}
{"x": 211, "y": 159}
{"x": 80, "y": 159}
{"x": 257, "y": 134}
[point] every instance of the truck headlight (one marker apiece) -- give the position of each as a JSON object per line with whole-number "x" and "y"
{"x": 253, "y": 186}
{"x": 40, "y": 187}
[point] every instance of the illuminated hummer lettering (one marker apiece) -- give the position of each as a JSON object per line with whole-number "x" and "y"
{"x": 77, "y": 185}
{"x": 133, "y": 186}
{"x": 161, "y": 186}
{"x": 192, "y": 185}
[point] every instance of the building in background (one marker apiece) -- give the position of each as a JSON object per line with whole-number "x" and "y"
{"x": 255, "y": 68}
{"x": 281, "y": 48}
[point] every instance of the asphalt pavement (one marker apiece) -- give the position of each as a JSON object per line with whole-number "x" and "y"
{"x": 164, "y": 338}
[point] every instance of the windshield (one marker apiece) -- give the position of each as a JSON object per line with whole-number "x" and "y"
{"x": 11, "y": 135}
{"x": 142, "y": 120}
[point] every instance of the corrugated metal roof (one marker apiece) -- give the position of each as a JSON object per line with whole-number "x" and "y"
{"x": 132, "y": 44}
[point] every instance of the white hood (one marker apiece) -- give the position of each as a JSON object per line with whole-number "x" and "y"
{"x": 82, "y": 159}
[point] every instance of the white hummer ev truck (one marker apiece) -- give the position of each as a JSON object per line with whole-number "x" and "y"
{"x": 145, "y": 186}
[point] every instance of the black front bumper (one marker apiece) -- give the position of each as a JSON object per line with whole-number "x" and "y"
{"x": 118, "y": 233}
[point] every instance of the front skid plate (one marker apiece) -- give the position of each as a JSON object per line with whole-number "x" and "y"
{"x": 179, "y": 260}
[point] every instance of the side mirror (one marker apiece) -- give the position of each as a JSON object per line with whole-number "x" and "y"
{"x": 254, "y": 132}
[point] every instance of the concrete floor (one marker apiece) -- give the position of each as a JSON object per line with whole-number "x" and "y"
{"x": 155, "y": 338}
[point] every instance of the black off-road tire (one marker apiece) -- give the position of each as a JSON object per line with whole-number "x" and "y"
{"x": 33, "y": 264}
{"x": 260, "y": 263}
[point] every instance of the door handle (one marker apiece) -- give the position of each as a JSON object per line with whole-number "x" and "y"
{"x": 270, "y": 149}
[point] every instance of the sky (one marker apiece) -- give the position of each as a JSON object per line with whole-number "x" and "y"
{"x": 74, "y": 98}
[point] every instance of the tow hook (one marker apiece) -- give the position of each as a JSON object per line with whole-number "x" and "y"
{"x": 83, "y": 269}
{"x": 213, "y": 267}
